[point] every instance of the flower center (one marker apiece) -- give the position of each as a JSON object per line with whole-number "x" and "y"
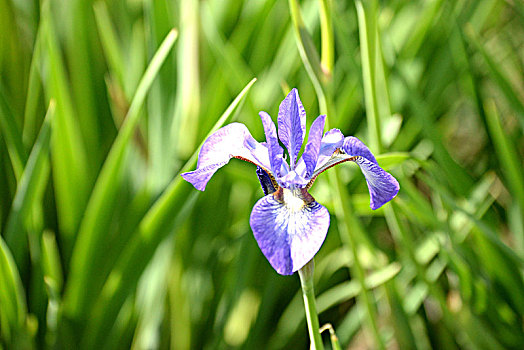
{"x": 293, "y": 200}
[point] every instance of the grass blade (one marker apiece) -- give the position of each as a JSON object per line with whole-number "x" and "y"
{"x": 109, "y": 42}
{"x": 499, "y": 77}
{"x": 156, "y": 224}
{"x": 12, "y": 135}
{"x": 31, "y": 186}
{"x": 509, "y": 158}
{"x": 82, "y": 286}
{"x": 13, "y": 310}
{"x": 67, "y": 148}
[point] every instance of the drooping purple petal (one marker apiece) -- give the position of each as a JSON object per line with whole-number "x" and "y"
{"x": 288, "y": 236}
{"x": 201, "y": 176}
{"x": 292, "y": 124}
{"x": 336, "y": 149}
{"x": 233, "y": 140}
{"x": 275, "y": 151}
{"x": 312, "y": 149}
{"x": 381, "y": 184}
{"x": 354, "y": 147}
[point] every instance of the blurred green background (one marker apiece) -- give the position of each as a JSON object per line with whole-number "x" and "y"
{"x": 103, "y": 246}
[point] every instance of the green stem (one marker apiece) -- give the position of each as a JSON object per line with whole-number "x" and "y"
{"x": 308, "y": 292}
{"x": 326, "y": 30}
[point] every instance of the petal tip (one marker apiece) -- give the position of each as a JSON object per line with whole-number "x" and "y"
{"x": 376, "y": 203}
{"x": 193, "y": 180}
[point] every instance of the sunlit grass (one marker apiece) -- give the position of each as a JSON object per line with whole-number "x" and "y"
{"x": 103, "y": 104}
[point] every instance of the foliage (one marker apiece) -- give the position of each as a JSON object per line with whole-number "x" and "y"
{"x": 103, "y": 104}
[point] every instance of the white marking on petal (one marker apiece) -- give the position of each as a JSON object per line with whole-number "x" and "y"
{"x": 292, "y": 200}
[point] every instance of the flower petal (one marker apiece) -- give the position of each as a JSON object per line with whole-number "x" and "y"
{"x": 331, "y": 141}
{"x": 292, "y": 125}
{"x": 233, "y": 140}
{"x": 354, "y": 147}
{"x": 288, "y": 238}
{"x": 293, "y": 179}
{"x": 310, "y": 155}
{"x": 382, "y": 186}
{"x": 275, "y": 151}
{"x": 265, "y": 181}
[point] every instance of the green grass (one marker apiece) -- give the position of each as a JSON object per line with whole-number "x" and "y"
{"x": 103, "y": 104}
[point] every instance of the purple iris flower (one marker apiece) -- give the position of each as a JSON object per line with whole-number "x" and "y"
{"x": 288, "y": 224}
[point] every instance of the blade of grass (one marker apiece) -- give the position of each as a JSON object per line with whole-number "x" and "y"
{"x": 420, "y": 32}
{"x": 368, "y": 35}
{"x": 82, "y": 77}
{"x": 82, "y": 284}
{"x": 32, "y": 121}
{"x": 68, "y": 155}
{"x": 509, "y": 159}
{"x": 161, "y": 103}
{"x": 498, "y": 75}
{"x": 28, "y": 189}
{"x": 51, "y": 264}
{"x": 156, "y": 224}
{"x": 188, "y": 85}
{"x": 109, "y": 41}
{"x": 13, "y": 309}
{"x": 327, "y": 56}
{"x": 12, "y": 135}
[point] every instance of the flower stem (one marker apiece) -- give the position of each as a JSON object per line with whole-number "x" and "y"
{"x": 308, "y": 292}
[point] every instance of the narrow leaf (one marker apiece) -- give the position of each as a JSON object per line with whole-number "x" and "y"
{"x": 30, "y": 187}
{"x": 156, "y": 224}
{"x": 82, "y": 286}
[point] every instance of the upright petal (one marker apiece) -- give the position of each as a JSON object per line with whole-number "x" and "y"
{"x": 275, "y": 151}
{"x": 289, "y": 236}
{"x": 293, "y": 180}
{"x": 382, "y": 186}
{"x": 331, "y": 141}
{"x": 310, "y": 155}
{"x": 292, "y": 125}
{"x": 233, "y": 140}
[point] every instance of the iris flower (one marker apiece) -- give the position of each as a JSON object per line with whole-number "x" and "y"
{"x": 288, "y": 224}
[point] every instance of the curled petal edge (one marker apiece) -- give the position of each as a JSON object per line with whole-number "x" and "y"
{"x": 231, "y": 141}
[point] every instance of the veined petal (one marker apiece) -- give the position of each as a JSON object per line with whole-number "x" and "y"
{"x": 382, "y": 186}
{"x": 201, "y": 176}
{"x": 292, "y": 125}
{"x": 331, "y": 141}
{"x": 274, "y": 150}
{"x": 354, "y": 147}
{"x": 233, "y": 140}
{"x": 288, "y": 235}
{"x": 311, "y": 152}
{"x": 292, "y": 180}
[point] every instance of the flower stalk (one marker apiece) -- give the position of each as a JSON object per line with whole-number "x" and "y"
{"x": 308, "y": 292}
